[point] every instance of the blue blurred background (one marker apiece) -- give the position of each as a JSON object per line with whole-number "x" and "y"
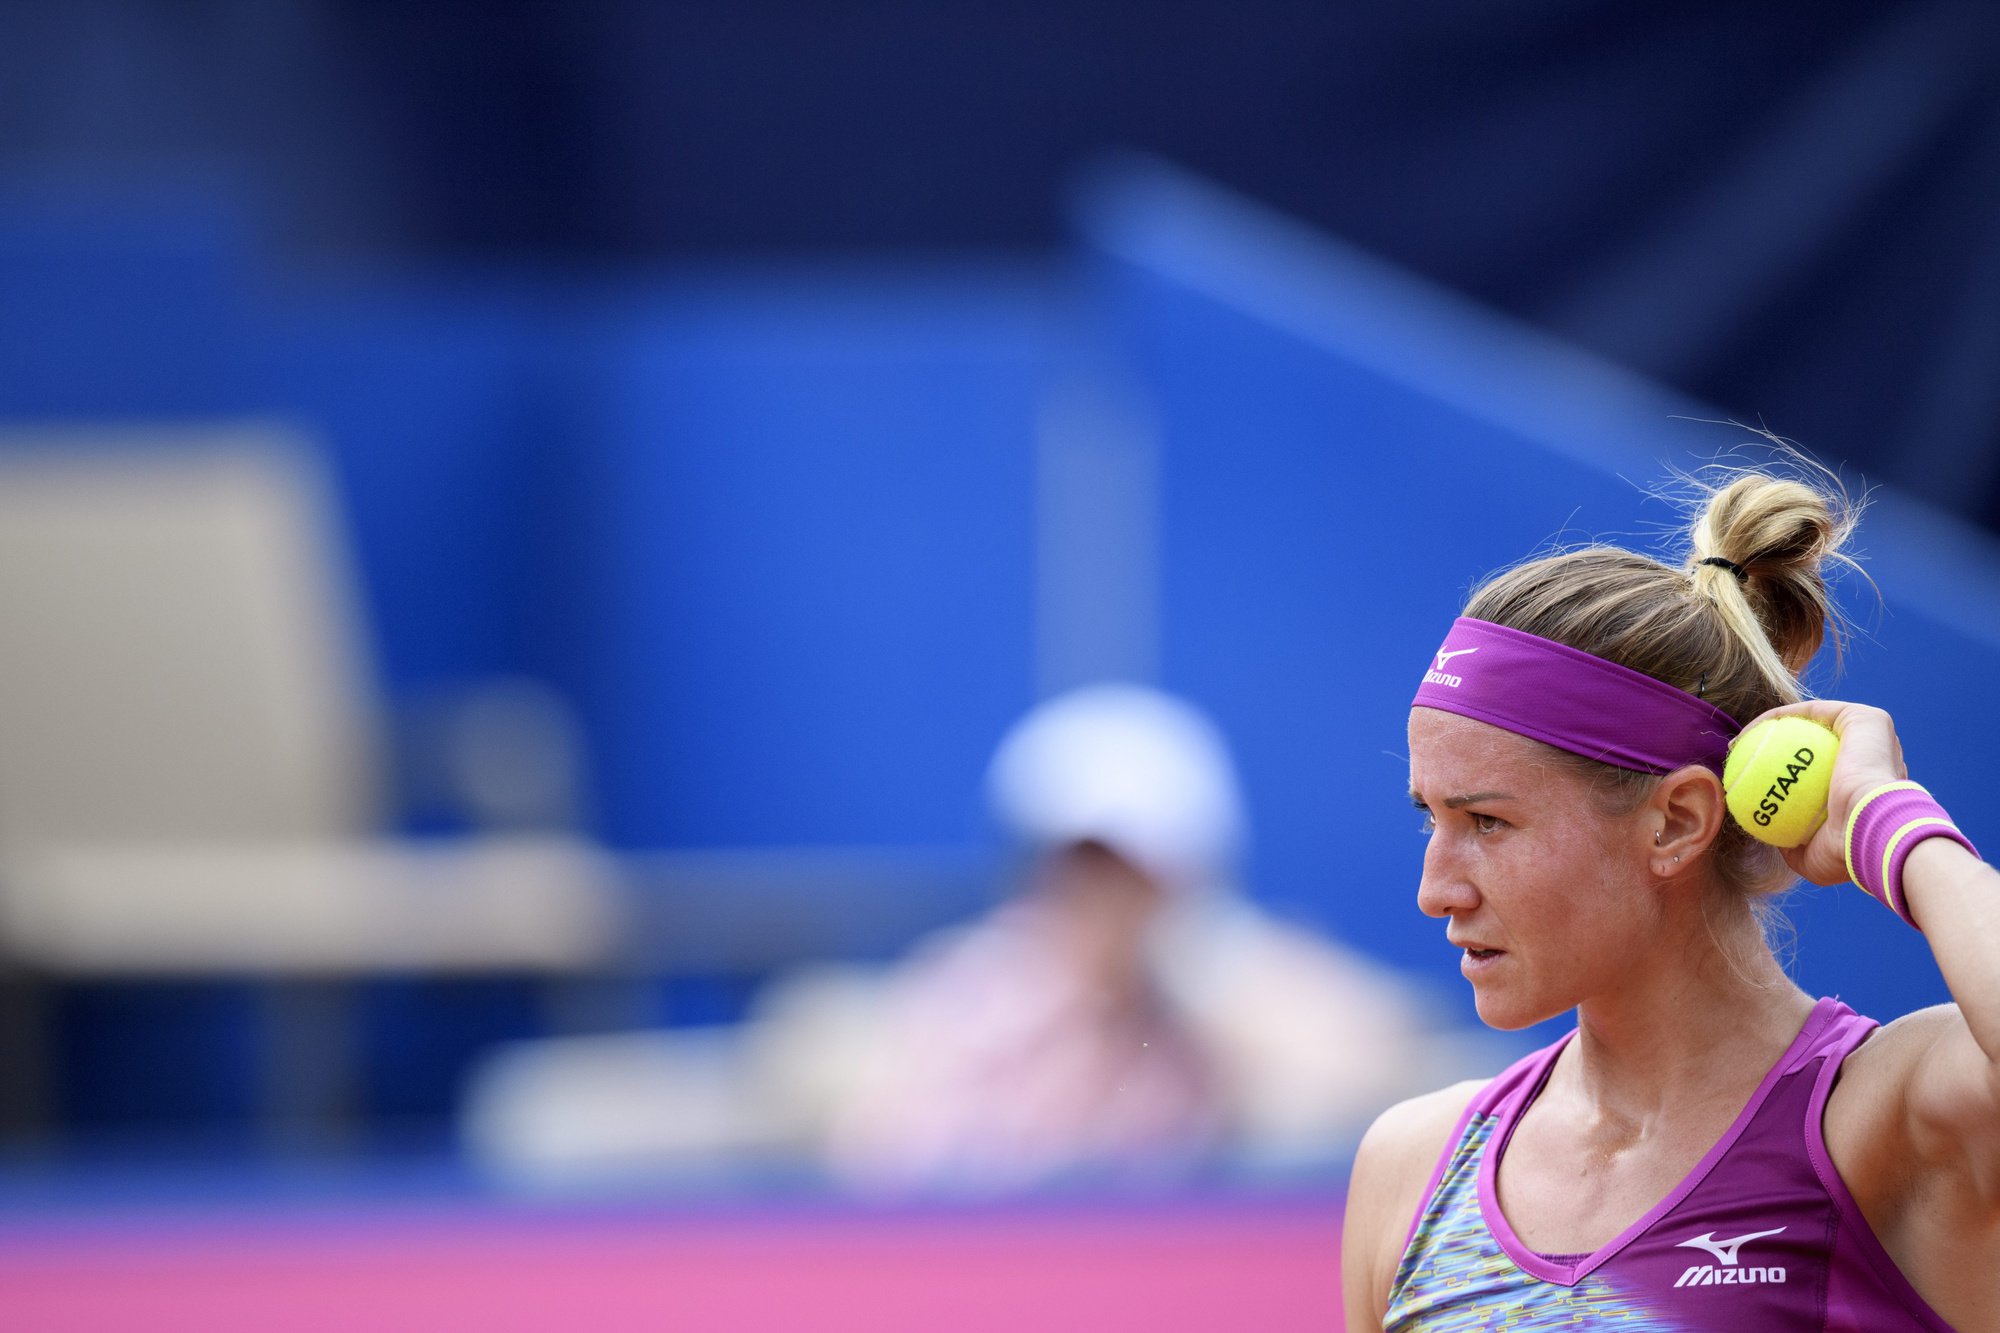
{"x": 782, "y": 397}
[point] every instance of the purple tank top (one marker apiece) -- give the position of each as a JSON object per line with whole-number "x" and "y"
{"x": 1762, "y": 1234}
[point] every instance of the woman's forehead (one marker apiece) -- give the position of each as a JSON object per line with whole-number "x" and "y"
{"x": 1446, "y": 744}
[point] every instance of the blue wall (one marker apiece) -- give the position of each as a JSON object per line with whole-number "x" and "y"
{"x": 115, "y": 307}
{"x": 805, "y": 567}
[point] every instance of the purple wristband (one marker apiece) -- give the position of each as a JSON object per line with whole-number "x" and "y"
{"x": 1886, "y": 824}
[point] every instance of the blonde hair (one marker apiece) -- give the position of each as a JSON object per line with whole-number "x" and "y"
{"x": 1738, "y": 642}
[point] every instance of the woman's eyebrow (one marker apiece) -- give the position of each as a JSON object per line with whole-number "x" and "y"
{"x": 1453, "y": 802}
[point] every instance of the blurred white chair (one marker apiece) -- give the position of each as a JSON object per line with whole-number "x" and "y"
{"x": 181, "y": 657}
{"x": 191, "y": 740}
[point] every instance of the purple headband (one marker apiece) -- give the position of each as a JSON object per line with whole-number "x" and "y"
{"x": 1565, "y": 697}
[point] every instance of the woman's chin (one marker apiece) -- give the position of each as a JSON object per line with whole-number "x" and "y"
{"x": 1509, "y": 1014}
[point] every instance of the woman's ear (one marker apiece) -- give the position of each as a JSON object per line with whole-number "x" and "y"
{"x": 1685, "y": 813}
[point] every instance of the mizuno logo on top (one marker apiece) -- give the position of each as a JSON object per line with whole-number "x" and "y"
{"x": 1728, "y": 1272}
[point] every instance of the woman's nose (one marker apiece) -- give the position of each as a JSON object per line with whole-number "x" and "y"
{"x": 1443, "y": 889}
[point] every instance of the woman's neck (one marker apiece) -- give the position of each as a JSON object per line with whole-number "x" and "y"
{"x": 1703, "y": 1022}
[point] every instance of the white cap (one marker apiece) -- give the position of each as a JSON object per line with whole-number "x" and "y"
{"x": 1137, "y": 770}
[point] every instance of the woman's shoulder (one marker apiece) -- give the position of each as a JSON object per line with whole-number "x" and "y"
{"x": 1896, "y": 1103}
{"x": 1415, "y": 1131}
{"x": 1908, "y": 1127}
{"x": 1400, "y": 1152}
{"x": 1411, "y": 1137}
{"x": 1392, "y": 1169}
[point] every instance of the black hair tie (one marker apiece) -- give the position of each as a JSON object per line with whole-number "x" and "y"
{"x": 1742, "y": 574}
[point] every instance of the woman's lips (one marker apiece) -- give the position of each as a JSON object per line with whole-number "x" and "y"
{"x": 1477, "y": 958}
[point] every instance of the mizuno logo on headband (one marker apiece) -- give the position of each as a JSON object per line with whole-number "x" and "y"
{"x": 1437, "y": 676}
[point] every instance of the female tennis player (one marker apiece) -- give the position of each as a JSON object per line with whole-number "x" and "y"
{"x": 1711, "y": 1148}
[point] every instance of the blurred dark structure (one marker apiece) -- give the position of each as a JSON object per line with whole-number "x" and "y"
{"x": 1791, "y": 211}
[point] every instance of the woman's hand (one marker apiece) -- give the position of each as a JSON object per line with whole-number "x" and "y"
{"x": 1870, "y": 755}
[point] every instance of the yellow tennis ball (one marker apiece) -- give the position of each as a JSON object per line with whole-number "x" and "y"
{"x": 1775, "y": 779}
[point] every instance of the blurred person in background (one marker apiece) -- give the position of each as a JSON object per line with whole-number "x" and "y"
{"x": 1126, "y": 1013}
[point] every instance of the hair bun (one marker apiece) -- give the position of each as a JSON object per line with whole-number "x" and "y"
{"x": 1774, "y": 537}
